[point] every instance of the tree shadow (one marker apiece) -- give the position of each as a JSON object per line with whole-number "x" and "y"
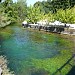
{"x": 72, "y": 71}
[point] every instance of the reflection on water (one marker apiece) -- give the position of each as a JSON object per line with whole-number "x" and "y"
{"x": 24, "y": 45}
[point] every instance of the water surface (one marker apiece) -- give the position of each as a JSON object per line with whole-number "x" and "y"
{"x": 20, "y": 46}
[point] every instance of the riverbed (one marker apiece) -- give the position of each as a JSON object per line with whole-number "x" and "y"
{"x": 31, "y": 52}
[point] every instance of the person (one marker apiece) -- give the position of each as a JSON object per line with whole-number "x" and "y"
{"x": 65, "y": 24}
{"x": 24, "y": 24}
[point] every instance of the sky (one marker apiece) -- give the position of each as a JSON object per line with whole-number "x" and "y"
{"x": 31, "y": 2}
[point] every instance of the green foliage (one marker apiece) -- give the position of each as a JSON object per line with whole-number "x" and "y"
{"x": 8, "y": 8}
{"x": 66, "y": 16}
{"x": 4, "y": 20}
{"x": 34, "y": 14}
{"x": 54, "y": 5}
{"x": 51, "y": 10}
{"x": 12, "y": 12}
{"x": 21, "y": 8}
{"x": 7, "y": 3}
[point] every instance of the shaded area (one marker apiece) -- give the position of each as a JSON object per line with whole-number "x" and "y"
{"x": 72, "y": 71}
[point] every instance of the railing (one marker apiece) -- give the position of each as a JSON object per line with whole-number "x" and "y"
{"x": 59, "y": 69}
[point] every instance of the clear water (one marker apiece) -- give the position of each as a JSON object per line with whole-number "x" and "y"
{"x": 24, "y": 45}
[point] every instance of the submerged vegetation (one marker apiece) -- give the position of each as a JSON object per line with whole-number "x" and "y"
{"x": 51, "y": 65}
{"x": 35, "y": 51}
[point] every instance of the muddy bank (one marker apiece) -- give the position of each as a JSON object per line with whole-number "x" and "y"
{"x": 3, "y": 65}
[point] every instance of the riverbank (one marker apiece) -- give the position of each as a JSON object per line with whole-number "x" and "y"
{"x": 3, "y": 65}
{"x": 52, "y": 29}
{"x": 47, "y": 32}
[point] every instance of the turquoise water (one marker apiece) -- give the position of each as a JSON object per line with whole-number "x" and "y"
{"x": 23, "y": 45}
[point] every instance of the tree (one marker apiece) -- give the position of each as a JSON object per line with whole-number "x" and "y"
{"x": 22, "y": 9}
{"x": 39, "y": 5}
{"x": 55, "y": 5}
{"x": 34, "y": 14}
{"x": 7, "y": 3}
{"x": 66, "y": 16}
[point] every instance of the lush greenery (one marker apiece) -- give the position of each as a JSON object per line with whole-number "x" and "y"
{"x": 51, "y": 10}
{"x": 62, "y": 10}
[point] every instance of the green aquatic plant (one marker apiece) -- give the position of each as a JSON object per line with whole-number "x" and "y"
{"x": 52, "y": 64}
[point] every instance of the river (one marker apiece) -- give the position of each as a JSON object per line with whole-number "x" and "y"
{"x": 21, "y": 46}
